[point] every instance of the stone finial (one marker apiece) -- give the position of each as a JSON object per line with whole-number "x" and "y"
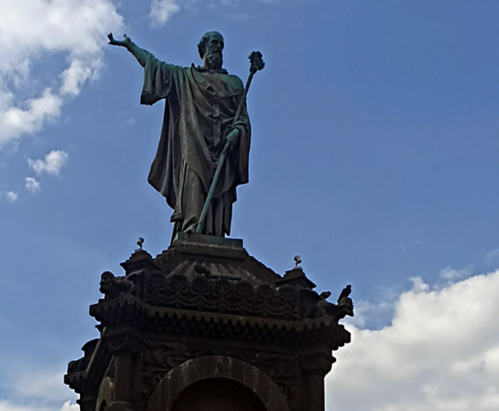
{"x": 140, "y": 241}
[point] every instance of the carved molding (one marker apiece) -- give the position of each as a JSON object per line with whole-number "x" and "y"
{"x": 124, "y": 345}
{"x": 317, "y": 364}
{"x": 161, "y": 357}
{"x": 217, "y": 295}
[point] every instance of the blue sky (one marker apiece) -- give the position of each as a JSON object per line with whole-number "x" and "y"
{"x": 374, "y": 157}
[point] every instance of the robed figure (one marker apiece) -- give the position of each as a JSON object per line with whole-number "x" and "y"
{"x": 200, "y": 105}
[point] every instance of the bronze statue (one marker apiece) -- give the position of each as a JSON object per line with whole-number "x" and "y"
{"x": 201, "y": 121}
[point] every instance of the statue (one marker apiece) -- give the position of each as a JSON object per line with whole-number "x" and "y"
{"x": 202, "y": 129}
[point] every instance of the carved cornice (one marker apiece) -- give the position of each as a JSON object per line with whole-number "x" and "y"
{"x": 124, "y": 345}
{"x": 218, "y": 293}
{"x": 128, "y": 309}
{"x": 317, "y": 364}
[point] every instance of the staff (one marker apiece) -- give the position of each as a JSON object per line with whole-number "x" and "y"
{"x": 256, "y": 65}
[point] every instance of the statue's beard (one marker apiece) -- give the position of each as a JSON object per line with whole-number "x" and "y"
{"x": 214, "y": 60}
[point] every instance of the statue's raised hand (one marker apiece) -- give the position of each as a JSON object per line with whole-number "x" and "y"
{"x": 123, "y": 43}
{"x": 140, "y": 54}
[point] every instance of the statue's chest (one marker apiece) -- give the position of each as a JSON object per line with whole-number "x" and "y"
{"x": 216, "y": 85}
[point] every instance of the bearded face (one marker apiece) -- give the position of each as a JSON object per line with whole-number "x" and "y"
{"x": 213, "y": 58}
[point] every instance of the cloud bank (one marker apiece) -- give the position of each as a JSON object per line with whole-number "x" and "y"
{"x": 69, "y": 34}
{"x": 440, "y": 353}
{"x": 38, "y": 390}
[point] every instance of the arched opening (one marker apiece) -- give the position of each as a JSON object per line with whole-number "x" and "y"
{"x": 215, "y": 394}
{"x": 218, "y": 373}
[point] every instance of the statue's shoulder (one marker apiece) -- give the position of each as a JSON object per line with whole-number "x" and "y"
{"x": 154, "y": 63}
{"x": 235, "y": 79}
{"x": 234, "y": 82}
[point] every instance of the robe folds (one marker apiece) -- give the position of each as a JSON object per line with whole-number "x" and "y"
{"x": 199, "y": 112}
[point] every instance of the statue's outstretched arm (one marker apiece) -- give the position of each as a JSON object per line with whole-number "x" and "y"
{"x": 139, "y": 53}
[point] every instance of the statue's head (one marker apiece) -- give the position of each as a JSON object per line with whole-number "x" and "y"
{"x": 210, "y": 49}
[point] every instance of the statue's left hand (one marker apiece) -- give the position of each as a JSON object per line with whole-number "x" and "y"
{"x": 222, "y": 145}
{"x": 233, "y": 135}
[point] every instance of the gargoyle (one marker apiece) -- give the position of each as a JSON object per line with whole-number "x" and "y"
{"x": 345, "y": 302}
{"x": 112, "y": 286}
{"x": 317, "y": 305}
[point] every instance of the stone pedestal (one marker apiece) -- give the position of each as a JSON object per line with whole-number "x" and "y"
{"x": 204, "y": 326}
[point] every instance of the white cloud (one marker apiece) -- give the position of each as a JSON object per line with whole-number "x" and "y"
{"x": 418, "y": 285}
{"x": 492, "y": 257}
{"x": 29, "y": 118}
{"x": 9, "y": 406}
{"x": 32, "y": 185}
{"x": 11, "y": 196}
{"x": 67, "y": 406}
{"x": 13, "y": 406}
{"x": 51, "y": 164}
{"x": 441, "y": 352}
{"x": 44, "y": 386}
{"x": 77, "y": 74}
{"x": 71, "y": 31}
{"x": 38, "y": 390}
{"x": 452, "y": 275}
{"x": 162, "y": 10}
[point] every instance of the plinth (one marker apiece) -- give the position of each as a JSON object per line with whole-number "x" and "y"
{"x": 204, "y": 326}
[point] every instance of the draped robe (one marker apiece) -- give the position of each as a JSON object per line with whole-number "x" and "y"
{"x": 199, "y": 111}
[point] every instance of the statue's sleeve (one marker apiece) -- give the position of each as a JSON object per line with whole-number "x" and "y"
{"x": 158, "y": 80}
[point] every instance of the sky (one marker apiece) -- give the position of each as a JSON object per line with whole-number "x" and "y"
{"x": 374, "y": 157}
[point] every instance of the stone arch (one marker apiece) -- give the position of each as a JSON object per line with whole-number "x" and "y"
{"x": 106, "y": 394}
{"x": 216, "y": 394}
{"x": 180, "y": 378}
